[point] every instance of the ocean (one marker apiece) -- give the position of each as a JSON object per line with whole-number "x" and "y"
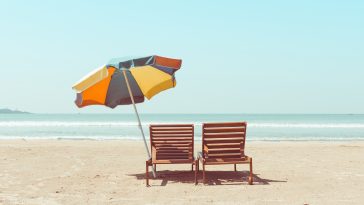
{"x": 261, "y": 127}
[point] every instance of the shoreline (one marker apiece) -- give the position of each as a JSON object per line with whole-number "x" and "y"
{"x": 196, "y": 140}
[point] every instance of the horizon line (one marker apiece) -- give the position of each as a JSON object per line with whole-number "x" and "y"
{"x": 131, "y": 113}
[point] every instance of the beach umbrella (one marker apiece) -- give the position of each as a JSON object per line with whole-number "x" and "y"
{"x": 127, "y": 82}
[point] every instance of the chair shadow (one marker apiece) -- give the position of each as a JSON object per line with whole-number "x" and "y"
{"x": 212, "y": 178}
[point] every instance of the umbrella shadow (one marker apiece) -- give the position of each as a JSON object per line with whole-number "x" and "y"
{"x": 167, "y": 176}
{"x": 212, "y": 178}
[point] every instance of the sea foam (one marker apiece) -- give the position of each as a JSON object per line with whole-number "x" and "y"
{"x": 130, "y": 124}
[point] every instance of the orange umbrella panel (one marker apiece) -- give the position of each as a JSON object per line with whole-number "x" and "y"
{"x": 96, "y": 94}
{"x": 111, "y": 91}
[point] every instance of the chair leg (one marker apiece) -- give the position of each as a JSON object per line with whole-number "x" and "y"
{"x": 203, "y": 173}
{"x": 155, "y": 168}
{"x": 192, "y": 167}
{"x": 147, "y": 173}
{"x": 235, "y": 167}
{"x": 251, "y": 172}
{"x": 196, "y": 171}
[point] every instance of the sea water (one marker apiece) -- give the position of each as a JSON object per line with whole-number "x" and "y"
{"x": 271, "y": 127}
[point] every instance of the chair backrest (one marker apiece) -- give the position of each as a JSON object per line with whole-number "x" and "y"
{"x": 223, "y": 140}
{"x": 172, "y": 143}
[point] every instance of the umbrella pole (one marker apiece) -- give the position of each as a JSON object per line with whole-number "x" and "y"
{"x": 140, "y": 124}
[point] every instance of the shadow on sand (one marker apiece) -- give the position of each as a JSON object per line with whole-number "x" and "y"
{"x": 212, "y": 178}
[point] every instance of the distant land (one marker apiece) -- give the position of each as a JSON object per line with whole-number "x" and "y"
{"x": 8, "y": 111}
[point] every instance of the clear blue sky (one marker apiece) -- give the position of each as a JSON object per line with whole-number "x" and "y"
{"x": 238, "y": 56}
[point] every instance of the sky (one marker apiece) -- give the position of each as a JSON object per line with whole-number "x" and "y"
{"x": 238, "y": 56}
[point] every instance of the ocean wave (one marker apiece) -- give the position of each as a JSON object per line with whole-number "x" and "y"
{"x": 197, "y": 139}
{"x": 65, "y": 124}
{"x": 131, "y": 124}
{"x": 307, "y": 125}
{"x": 72, "y": 137}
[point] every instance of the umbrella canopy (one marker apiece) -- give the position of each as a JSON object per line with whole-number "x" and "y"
{"x": 107, "y": 85}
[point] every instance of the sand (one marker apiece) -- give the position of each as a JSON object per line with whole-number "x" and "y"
{"x": 112, "y": 172}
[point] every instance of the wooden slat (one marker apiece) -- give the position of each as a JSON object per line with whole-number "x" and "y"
{"x": 171, "y": 145}
{"x": 170, "y": 129}
{"x": 172, "y": 158}
{"x": 173, "y": 161}
{"x": 227, "y": 135}
{"x": 223, "y": 129}
{"x": 186, "y": 152}
{"x": 172, "y": 132}
{"x": 172, "y": 141}
{"x": 225, "y": 148}
{"x": 173, "y": 148}
{"x": 224, "y": 155}
{"x": 172, "y": 151}
{"x": 172, "y": 125}
{"x": 171, "y": 154}
{"x": 189, "y": 139}
{"x": 228, "y": 152}
{"x": 224, "y": 145}
{"x": 238, "y": 139}
{"x": 225, "y": 124}
{"x": 220, "y": 151}
{"x": 222, "y": 140}
{"x": 172, "y": 135}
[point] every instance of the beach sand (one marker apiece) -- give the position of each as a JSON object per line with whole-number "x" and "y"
{"x": 112, "y": 172}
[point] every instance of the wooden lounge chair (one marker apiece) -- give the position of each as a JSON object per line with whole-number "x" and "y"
{"x": 171, "y": 144}
{"x": 224, "y": 143}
